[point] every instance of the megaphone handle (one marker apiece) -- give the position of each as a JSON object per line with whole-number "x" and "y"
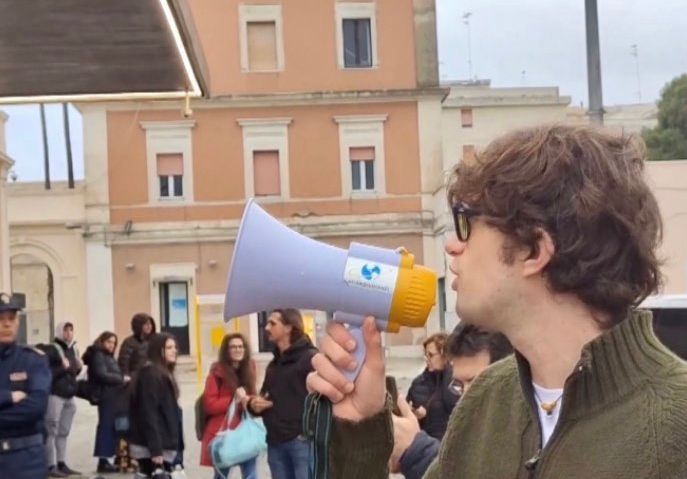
{"x": 358, "y": 353}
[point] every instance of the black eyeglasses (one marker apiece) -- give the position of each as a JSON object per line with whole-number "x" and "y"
{"x": 461, "y": 219}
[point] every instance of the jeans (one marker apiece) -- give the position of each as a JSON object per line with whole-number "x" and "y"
{"x": 289, "y": 460}
{"x": 58, "y": 423}
{"x": 249, "y": 470}
{"x": 28, "y": 463}
{"x": 105, "y": 436}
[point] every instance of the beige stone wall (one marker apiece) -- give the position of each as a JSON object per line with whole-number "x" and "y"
{"x": 669, "y": 183}
{"x": 46, "y": 231}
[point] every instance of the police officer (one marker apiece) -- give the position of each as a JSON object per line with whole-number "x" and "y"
{"x": 24, "y": 387}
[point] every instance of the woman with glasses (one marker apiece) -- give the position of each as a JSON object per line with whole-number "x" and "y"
{"x": 231, "y": 377}
{"x": 429, "y": 395}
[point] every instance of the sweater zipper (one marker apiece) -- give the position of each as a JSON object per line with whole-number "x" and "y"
{"x": 534, "y": 465}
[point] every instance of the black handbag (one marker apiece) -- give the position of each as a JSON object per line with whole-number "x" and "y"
{"x": 89, "y": 391}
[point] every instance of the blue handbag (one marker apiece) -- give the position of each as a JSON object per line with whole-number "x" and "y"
{"x": 232, "y": 447}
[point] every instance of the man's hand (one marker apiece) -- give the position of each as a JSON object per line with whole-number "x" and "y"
{"x": 365, "y": 398}
{"x": 18, "y": 396}
{"x": 420, "y": 412}
{"x": 259, "y": 404}
{"x": 406, "y": 427}
{"x": 65, "y": 363}
{"x": 158, "y": 460}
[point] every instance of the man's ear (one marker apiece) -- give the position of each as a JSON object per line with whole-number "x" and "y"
{"x": 540, "y": 255}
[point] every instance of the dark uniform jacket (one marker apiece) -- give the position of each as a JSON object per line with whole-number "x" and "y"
{"x": 23, "y": 368}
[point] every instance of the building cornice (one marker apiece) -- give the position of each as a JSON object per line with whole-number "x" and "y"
{"x": 281, "y": 99}
{"x": 226, "y": 230}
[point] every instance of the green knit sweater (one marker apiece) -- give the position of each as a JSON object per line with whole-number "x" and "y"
{"x": 624, "y": 416}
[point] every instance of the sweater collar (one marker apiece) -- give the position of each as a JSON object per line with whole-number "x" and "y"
{"x": 611, "y": 366}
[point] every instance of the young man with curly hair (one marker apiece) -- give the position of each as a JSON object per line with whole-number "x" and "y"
{"x": 556, "y": 239}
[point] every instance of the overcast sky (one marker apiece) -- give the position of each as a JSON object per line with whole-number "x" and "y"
{"x": 514, "y": 43}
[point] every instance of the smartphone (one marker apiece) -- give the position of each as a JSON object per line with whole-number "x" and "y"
{"x": 392, "y": 389}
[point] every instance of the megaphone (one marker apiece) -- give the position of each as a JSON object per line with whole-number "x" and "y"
{"x": 275, "y": 267}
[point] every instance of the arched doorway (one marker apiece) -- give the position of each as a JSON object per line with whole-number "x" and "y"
{"x": 34, "y": 278}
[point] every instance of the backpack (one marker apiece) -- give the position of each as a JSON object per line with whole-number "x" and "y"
{"x": 199, "y": 411}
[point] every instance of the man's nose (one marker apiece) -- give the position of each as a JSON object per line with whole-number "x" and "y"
{"x": 452, "y": 245}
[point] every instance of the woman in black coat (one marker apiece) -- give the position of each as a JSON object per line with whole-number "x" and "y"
{"x": 155, "y": 434}
{"x": 105, "y": 375}
{"x": 430, "y": 395}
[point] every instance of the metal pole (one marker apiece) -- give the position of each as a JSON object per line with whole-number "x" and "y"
{"x": 46, "y": 152}
{"x": 596, "y": 109}
{"x": 68, "y": 144}
{"x": 634, "y": 51}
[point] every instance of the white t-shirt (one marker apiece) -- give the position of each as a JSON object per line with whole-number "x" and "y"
{"x": 548, "y": 421}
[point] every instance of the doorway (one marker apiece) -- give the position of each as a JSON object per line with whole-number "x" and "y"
{"x": 174, "y": 312}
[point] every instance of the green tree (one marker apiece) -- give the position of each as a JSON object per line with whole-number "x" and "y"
{"x": 668, "y": 140}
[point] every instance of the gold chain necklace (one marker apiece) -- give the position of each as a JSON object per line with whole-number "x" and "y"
{"x": 547, "y": 407}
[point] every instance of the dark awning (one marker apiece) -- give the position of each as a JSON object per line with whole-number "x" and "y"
{"x": 80, "y": 50}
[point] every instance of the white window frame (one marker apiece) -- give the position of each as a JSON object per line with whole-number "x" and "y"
{"x": 170, "y": 187}
{"x": 363, "y": 176}
{"x": 169, "y": 137}
{"x": 266, "y": 134}
{"x": 261, "y": 13}
{"x": 355, "y": 11}
{"x": 361, "y": 131}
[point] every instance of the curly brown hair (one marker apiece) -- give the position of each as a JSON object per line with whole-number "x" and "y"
{"x": 585, "y": 186}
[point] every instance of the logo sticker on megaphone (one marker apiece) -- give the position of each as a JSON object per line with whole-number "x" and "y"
{"x": 274, "y": 267}
{"x": 363, "y": 274}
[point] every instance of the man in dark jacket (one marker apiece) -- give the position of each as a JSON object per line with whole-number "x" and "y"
{"x": 134, "y": 350}
{"x": 283, "y": 395}
{"x": 65, "y": 366}
{"x": 470, "y": 351}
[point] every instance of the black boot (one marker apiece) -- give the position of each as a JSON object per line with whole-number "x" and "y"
{"x": 104, "y": 466}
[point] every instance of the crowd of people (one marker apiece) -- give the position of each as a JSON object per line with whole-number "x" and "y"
{"x": 555, "y": 244}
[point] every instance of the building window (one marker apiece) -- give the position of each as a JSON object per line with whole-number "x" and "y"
{"x": 266, "y": 157}
{"x": 356, "y": 30}
{"x": 466, "y": 117}
{"x": 170, "y": 173}
{"x": 468, "y": 153}
{"x": 357, "y": 40}
{"x": 266, "y": 173}
{"x": 361, "y": 150}
{"x": 169, "y": 159}
{"x": 362, "y": 168}
{"x": 262, "y": 45}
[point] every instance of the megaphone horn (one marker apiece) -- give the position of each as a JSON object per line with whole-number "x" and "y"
{"x": 274, "y": 267}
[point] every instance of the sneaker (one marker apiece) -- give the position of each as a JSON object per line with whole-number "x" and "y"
{"x": 63, "y": 467}
{"x": 55, "y": 472}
